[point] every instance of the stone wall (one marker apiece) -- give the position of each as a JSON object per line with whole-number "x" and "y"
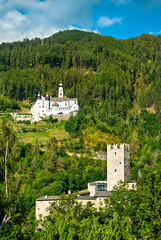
{"x": 21, "y": 117}
{"x": 62, "y": 116}
{"x": 42, "y": 209}
{"x": 101, "y": 155}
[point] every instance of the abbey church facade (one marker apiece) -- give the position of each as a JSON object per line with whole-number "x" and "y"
{"x": 46, "y": 106}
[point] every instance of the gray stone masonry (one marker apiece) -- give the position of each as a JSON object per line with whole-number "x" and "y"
{"x": 118, "y": 164}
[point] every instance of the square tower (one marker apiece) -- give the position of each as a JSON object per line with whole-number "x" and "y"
{"x": 118, "y": 164}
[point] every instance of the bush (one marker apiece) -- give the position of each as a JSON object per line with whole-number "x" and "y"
{"x": 24, "y": 130}
{"x": 6, "y": 104}
{"x": 76, "y": 124}
{"x": 33, "y": 130}
{"x": 52, "y": 120}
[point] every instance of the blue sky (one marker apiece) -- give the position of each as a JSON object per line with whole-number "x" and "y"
{"x": 121, "y": 19}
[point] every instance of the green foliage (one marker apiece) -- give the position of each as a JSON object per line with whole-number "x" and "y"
{"x": 52, "y": 120}
{"x": 141, "y": 207}
{"x": 25, "y": 105}
{"x": 8, "y": 104}
{"x": 76, "y": 124}
{"x": 24, "y": 121}
{"x": 33, "y": 172}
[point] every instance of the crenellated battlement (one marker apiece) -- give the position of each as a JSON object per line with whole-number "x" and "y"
{"x": 124, "y": 146}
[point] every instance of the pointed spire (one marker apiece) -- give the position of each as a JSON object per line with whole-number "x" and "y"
{"x": 38, "y": 96}
{"x": 60, "y": 84}
{"x": 47, "y": 97}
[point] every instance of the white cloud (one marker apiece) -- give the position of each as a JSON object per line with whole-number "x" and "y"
{"x": 82, "y": 29}
{"x": 26, "y": 18}
{"x": 10, "y": 26}
{"x": 107, "y": 22}
{"x": 39, "y": 32}
{"x": 15, "y": 17}
{"x": 155, "y": 33}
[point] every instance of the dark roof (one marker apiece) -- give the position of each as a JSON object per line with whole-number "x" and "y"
{"x": 102, "y": 194}
{"x": 84, "y": 192}
{"x": 85, "y": 198}
{"x": 55, "y": 104}
{"x": 130, "y": 181}
{"x": 62, "y": 99}
{"x": 47, "y": 198}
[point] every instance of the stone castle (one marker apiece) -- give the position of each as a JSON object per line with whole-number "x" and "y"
{"x": 118, "y": 169}
{"x": 46, "y": 106}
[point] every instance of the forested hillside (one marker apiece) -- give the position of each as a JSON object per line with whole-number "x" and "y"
{"x": 118, "y": 86}
{"x": 107, "y": 75}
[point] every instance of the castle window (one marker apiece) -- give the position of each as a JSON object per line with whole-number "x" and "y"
{"x": 115, "y": 170}
{"x": 92, "y": 184}
{"x": 101, "y": 186}
{"x": 120, "y": 162}
{"x": 115, "y": 153}
{"x": 38, "y": 208}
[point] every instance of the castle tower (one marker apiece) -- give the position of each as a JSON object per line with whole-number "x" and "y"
{"x": 60, "y": 93}
{"x": 118, "y": 164}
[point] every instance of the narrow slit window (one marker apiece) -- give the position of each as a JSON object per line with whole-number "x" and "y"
{"x": 115, "y": 170}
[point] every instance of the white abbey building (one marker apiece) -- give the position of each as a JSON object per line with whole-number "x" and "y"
{"x": 46, "y": 106}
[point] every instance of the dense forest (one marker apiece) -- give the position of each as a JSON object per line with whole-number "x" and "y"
{"x": 118, "y": 86}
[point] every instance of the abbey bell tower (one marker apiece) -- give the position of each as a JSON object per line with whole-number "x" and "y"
{"x": 60, "y": 92}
